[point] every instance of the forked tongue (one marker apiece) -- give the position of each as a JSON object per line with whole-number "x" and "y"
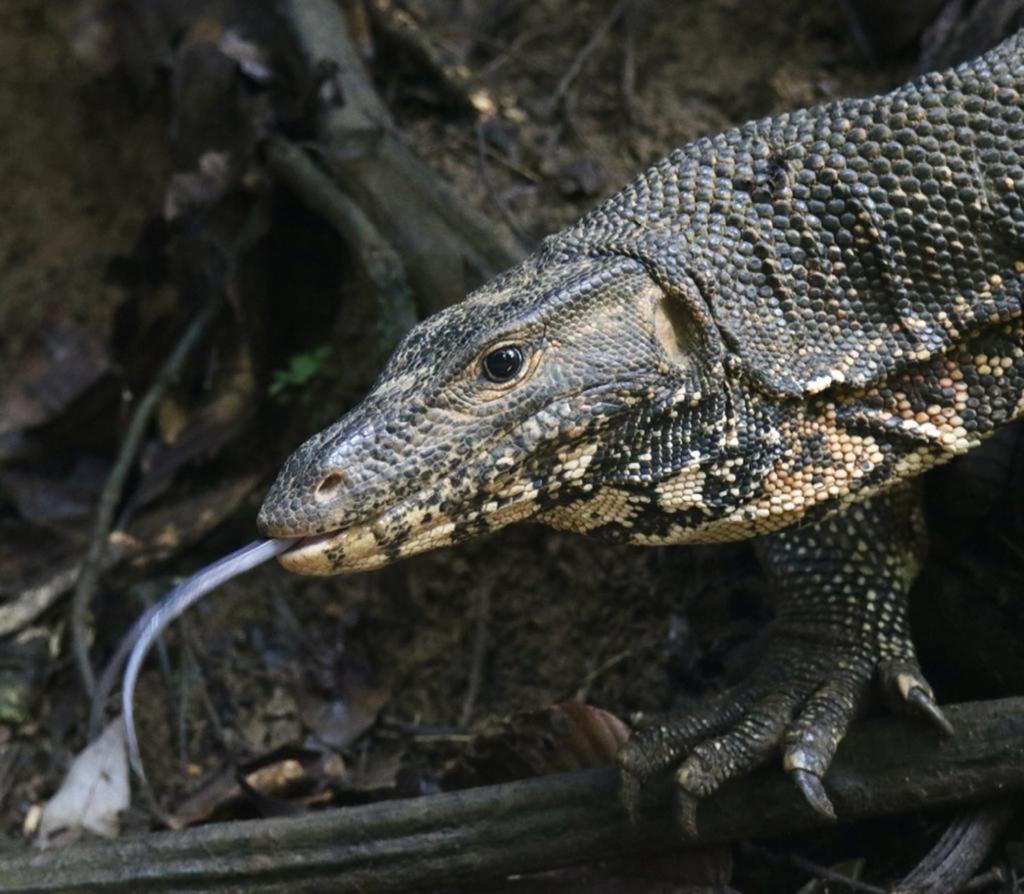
{"x": 157, "y": 618}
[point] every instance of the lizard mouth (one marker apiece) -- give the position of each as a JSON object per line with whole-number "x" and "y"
{"x": 352, "y": 548}
{"x": 410, "y": 527}
{"x": 413, "y": 526}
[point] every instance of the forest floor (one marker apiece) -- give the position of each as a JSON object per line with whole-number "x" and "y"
{"x": 413, "y": 674}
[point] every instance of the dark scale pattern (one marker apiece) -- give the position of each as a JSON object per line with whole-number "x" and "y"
{"x": 767, "y": 334}
{"x": 846, "y": 581}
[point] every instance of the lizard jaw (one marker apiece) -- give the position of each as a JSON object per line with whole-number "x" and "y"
{"x": 349, "y": 549}
{"x": 413, "y": 526}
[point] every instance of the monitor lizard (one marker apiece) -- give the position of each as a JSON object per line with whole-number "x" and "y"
{"x": 769, "y": 334}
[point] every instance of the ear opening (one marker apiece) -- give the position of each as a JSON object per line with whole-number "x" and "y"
{"x": 686, "y": 332}
{"x": 675, "y": 329}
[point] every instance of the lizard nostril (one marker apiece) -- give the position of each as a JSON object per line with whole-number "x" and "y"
{"x": 330, "y": 485}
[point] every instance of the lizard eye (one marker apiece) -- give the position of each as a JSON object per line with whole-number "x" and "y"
{"x": 503, "y": 364}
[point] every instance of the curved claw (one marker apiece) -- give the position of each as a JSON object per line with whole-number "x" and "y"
{"x": 634, "y": 773}
{"x": 630, "y": 792}
{"x": 923, "y": 702}
{"x": 686, "y": 814}
{"x": 814, "y": 792}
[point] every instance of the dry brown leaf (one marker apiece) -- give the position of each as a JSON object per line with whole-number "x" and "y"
{"x": 563, "y": 737}
{"x": 286, "y": 779}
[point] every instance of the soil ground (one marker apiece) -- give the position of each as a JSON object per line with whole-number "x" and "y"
{"x": 463, "y": 638}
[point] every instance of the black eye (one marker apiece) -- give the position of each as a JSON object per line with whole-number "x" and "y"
{"x": 503, "y": 364}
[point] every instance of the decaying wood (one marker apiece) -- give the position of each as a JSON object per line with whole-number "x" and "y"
{"x": 396, "y": 312}
{"x": 884, "y": 766}
{"x": 961, "y": 850}
{"x": 447, "y": 247}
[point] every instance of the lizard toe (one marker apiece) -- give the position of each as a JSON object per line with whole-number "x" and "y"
{"x": 661, "y": 741}
{"x": 806, "y": 717}
{"x": 686, "y": 815}
{"x": 906, "y": 690}
{"x": 814, "y": 734}
{"x": 813, "y": 790}
{"x": 714, "y": 761}
{"x": 644, "y": 757}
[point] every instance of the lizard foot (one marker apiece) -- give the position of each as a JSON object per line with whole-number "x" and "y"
{"x": 800, "y": 700}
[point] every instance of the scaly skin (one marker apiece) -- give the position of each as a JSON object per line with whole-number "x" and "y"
{"x": 767, "y": 334}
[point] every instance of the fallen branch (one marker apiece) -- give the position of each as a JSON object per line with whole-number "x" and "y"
{"x": 379, "y": 261}
{"x": 961, "y": 850}
{"x": 447, "y": 246}
{"x": 884, "y": 766}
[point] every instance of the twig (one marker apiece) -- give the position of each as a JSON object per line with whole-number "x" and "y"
{"x": 425, "y": 732}
{"x": 520, "y": 170}
{"x": 419, "y": 47}
{"x": 114, "y": 486}
{"x": 559, "y": 97}
{"x": 816, "y": 870}
{"x": 480, "y": 644}
{"x": 583, "y": 689}
{"x": 195, "y": 672}
{"x": 627, "y": 81}
{"x": 884, "y": 766}
{"x": 830, "y": 875}
{"x": 485, "y": 177}
{"x": 505, "y": 53}
{"x": 865, "y": 45}
{"x": 937, "y": 36}
{"x": 13, "y": 756}
{"x": 105, "y": 685}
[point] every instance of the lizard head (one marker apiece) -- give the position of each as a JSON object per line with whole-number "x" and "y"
{"x": 492, "y": 411}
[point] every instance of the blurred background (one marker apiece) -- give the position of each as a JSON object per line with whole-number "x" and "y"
{"x": 216, "y": 220}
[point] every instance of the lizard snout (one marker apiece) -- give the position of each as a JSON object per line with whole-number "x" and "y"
{"x": 337, "y": 478}
{"x": 307, "y": 499}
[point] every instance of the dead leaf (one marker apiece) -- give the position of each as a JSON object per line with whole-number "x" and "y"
{"x": 279, "y": 782}
{"x": 58, "y": 364}
{"x": 377, "y": 773}
{"x": 586, "y": 736}
{"x": 563, "y": 737}
{"x": 205, "y": 431}
{"x": 341, "y": 721}
{"x": 93, "y": 793}
{"x": 50, "y": 492}
{"x": 161, "y": 532}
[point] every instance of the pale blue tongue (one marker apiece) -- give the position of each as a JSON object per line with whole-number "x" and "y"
{"x": 158, "y": 617}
